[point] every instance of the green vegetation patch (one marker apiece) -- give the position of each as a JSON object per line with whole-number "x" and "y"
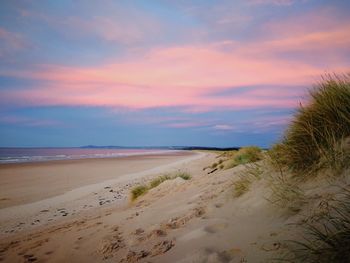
{"x": 245, "y": 155}
{"x": 157, "y": 181}
{"x": 138, "y": 191}
{"x": 242, "y": 185}
{"x": 319, "y": 134}
{"x": 286, "y": 194}
{"x": 252, "y": 173}
{"x": 183, "y": 175}
{"x": 326, "y": 239}
{"x": 143, "y": 189}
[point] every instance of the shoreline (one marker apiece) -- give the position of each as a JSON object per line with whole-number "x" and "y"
{"x": 165, "y": 153}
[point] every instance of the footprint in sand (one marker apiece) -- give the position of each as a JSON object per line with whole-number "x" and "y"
{"x": 162, "y": 247}
{"x": 158, "y": 249}
{"x": 112, "y": 244}
{"x": 157, "y": 233}
{"x": 215, "y": 228}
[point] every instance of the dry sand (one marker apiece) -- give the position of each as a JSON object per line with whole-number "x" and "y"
{"x": 197, "y": 220}
{"x": 29, "y": 182}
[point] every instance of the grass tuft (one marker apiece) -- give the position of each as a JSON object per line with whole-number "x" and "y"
{"x": 143, "y": 189}
{"x": 157, "y": 181}
{"x": 328, "y": 239}
{"x": 138, "y": 191}
{"x": 319, "y": 135}
{"x": 183, "y": 175}
{"x": 286, "y": 194}
{"x": 242, "y": 185}
{"x": 245, "y": 155}
{"x": 252, "y": 173}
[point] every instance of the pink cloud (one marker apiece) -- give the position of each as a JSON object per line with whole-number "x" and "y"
{"x": 223, "y": 127}
{"x": 273, "y": 2}
{"x": 183, "y": 76}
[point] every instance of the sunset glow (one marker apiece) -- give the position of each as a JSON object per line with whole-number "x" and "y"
{"x": 139, "y": 73}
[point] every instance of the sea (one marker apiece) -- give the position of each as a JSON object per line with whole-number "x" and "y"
{"x": 26, "y": 155}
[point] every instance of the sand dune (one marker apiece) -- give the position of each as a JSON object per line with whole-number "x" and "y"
{"x": 179, "y": 220}
{"x": 196, "y": 220}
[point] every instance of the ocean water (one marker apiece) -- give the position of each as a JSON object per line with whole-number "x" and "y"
{"x": 24, "y": 155}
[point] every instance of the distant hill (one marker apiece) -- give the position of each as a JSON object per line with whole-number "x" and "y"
{"x": 189, "y": 148}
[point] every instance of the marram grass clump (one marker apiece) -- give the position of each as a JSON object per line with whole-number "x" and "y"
{"x": 245, "y": 155}
{"x": 286, "y": 194}
{"x": 319, "y": 135}
{"x": 327, "y": 239}
{"x": 157, "y": 181}
{"x": 139, "y": 190}
{"x": 251, "y": 173}
{"x": 183, "y": 175}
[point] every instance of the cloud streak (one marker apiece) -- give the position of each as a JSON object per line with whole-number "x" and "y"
{"x": 182, "y": 75}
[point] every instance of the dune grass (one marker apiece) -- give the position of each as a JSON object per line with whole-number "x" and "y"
{"x": 183, "y": 175}
{"x": 319, "y": 135}
{"x": 286, "y": 194}
{"x": 245, "y": 155}
{"x": 139, "y": 190}
{"x": 157, "y": 181}
{"x": 317, "y": 142}
{"x": 327, "y": 239}
{"x": 252, "y": 173}
{"x": 242, "y": 185}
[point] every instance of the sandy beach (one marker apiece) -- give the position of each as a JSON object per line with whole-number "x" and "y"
{"x": 195, "y": 220}
{"x": 95, "y": 221}
{"x": 29, "y": 182}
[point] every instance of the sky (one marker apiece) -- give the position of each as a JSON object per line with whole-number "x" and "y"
{"x": 163, "y": 72}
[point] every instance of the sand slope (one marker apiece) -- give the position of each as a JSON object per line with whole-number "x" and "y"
{"x": 198, "y": 220}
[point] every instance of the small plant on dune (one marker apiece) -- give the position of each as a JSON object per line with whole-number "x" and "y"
{"x": 157, "y": 181}
{"x": 245, "y": 155}
{"x": 143, "y": 189}
{"x": 184, "y": 175}
{"x": 319, "y": 135}
{"x": 138, "y": 191}
{"x": 328, "y": 239}
{"x": 254, "y": 170}
{"x": 213, "y": 166}
{"x": 285, "y": 193}
{"x": 221, "y": 166}
{"x": 242, "y": 185}
{"x": 230, "y": 164}
{"x": 277, "y": 158}
{"x": 252, "y": 173}
{"x": 227, "y": 154}
{"x": 248, "y": 155}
